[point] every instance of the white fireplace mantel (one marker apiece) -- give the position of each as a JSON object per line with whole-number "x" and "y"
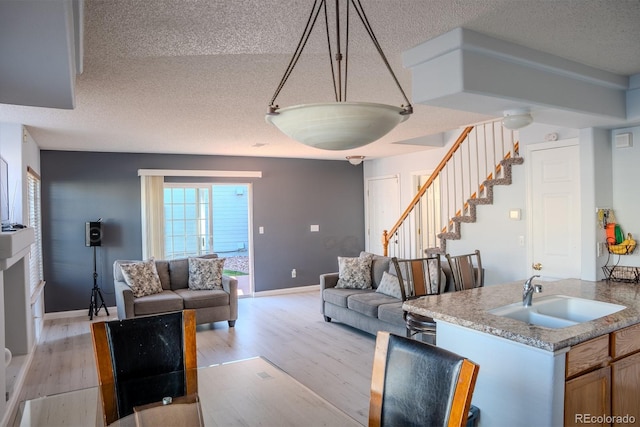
{"x": 14, "y": 245}
{"x": 16, "y": 319}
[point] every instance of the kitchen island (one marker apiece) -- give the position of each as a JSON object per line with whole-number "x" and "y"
{"x": 522, "y": 367}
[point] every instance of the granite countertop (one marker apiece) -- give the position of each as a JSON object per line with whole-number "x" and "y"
{"x": 469, "y": 309}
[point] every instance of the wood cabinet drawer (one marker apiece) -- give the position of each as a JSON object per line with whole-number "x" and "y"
{"x": 625, "y": 341}
{"x": 587, "y": 355}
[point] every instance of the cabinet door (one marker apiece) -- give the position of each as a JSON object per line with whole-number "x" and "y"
{"x": 588, "y": 395}
{"x": 625, "y": 389}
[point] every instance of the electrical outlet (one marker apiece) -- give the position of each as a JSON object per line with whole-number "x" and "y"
{"x": 294, "y": 273}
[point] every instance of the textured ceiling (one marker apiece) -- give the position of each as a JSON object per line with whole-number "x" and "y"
{"x": 196, "y": 76}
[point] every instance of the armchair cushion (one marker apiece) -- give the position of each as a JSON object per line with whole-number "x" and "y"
{"x": 142, "y": 277}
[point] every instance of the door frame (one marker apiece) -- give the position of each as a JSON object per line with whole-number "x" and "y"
{"x": 250, "y": 253}
{"x": 529, "y": 149}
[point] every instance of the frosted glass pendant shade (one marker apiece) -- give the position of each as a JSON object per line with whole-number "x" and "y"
{"x": 337, "y": 125}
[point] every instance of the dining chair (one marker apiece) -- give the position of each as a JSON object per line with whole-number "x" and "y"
{"x": 419, "y": 277}
{"x": 466, "y": 270}
{"x": 144, "y": 360}
{"x": 417, "y": 384}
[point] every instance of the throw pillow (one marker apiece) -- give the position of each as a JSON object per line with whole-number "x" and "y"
{"x": 390, "y": 285}
{"x": 354, "y": 273}
{"x": 142, "y": 277}
{"x": 205, "y": 273}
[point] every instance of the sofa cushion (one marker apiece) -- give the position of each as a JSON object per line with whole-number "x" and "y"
{"x": 205, "y": 274}
{"x": 157, "y": 303}
{"x": 339, "y": 297}
{"x": 391, "y": 313}
{"x": 162, "y": 267}
{"x": 379, "y": 264}
{"x": 142, "y": 277}
{"x": 368, "y": 303}
{"x": 390, "y": 285}
{"x": 203, "y": 298}
{"x": 179, "y": 271}
{"x": 354, "y": 273}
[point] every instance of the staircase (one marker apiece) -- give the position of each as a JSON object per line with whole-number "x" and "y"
{"x": 481, "y": 158}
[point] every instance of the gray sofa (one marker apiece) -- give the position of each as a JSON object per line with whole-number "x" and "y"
{"x": 210, "y": 305}
{"x": 366, "y": 309}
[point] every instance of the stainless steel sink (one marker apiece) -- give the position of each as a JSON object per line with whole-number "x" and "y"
{"x": 557, "y": 311}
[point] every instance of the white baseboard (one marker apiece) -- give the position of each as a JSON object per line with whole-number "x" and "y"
{"x": 77, "y": 313}
{"x": 296, "y": 290}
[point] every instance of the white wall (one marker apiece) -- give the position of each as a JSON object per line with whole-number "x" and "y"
{"x": 11, "y": 151}
{"x": 20, "y": 150}
{"x": 625, "y": 191}
{"x": 607, "y": 180}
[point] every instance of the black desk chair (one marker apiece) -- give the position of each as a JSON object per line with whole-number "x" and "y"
{"x": 419, "y": 277}
{"x": 143, "y": 360}
{"x": 417, "y": 384}
{"x": 466, "y": 270}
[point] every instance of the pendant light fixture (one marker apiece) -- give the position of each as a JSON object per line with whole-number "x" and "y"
{"x": 339, "y": 125}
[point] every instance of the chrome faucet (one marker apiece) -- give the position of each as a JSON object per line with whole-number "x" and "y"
{"x": 528, "y": 289}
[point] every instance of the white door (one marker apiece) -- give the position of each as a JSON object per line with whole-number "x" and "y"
{"x": 383, "y": 202}
{"x": 554, "y": 183}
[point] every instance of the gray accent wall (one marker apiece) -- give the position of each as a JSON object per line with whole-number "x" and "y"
{"x": 292, "y": 195}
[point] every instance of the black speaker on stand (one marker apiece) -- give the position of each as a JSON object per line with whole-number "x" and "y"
{"x": 93, "y": 238}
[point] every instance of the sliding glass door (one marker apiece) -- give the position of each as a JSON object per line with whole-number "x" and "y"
{"x": 210, "y": 218}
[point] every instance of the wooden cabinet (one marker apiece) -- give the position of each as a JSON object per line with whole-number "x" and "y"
{"x": 588, "y": 395}
{"x": 603, "y": 380}
{"x": 625, "y": 382}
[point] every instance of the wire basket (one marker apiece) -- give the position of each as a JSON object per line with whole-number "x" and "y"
{"x": 617, "y": 273}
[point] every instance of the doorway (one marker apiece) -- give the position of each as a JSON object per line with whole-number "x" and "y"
{"x": 383, "y": 210}
{"x": 211, "y": 218}
{"x": 554, "y": 188}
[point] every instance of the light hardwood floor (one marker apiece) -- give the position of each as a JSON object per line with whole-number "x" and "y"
{"x": 333, "y": 360}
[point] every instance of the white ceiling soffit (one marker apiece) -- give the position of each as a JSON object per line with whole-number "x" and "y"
{"x": 488, "y": 75}
{"x": 195, "y": 77}
{"x": 41, "y": 51}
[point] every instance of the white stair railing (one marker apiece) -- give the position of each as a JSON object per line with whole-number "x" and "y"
{"x": 474, "y": 159}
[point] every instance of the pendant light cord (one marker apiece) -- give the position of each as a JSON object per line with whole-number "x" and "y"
{"x": 318, "y": 5}
{"x": 367, "y": 26}
{"x": 315, "y": 11}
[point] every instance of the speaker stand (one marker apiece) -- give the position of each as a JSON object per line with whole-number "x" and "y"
{"x": 96, "y": 294}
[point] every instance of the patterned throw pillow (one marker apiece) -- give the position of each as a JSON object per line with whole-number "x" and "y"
{"x": 354, "y": 273}
{"x": 142, "y": 277}
{"x": 390, "y": 285}
{"x": 205, "y": 273}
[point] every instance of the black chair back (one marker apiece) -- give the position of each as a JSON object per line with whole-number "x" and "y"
{"x": 417, "y": 384}
{"x": 147, "y": 358}
{"x": 143, "y": 360}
